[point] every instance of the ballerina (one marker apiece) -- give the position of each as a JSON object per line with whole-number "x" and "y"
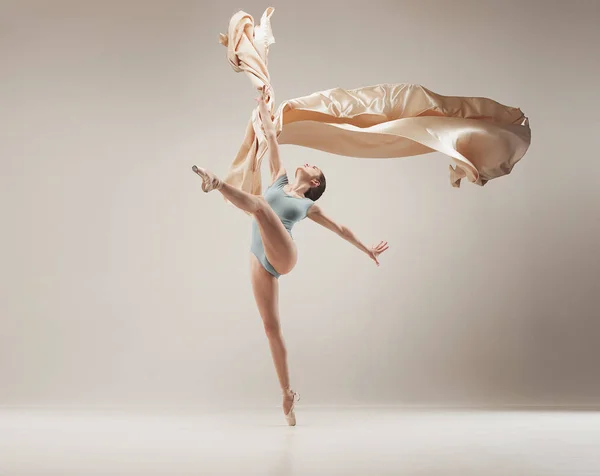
{"x": 273, "y": 251}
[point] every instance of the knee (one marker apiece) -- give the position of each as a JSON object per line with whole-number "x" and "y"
{"x": 289, "y": 265}
{"x": 285, "y": 269}
{"x": 272, "y": 329}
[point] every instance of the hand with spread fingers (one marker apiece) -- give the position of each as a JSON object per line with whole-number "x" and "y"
{"x": 375, "y": 251}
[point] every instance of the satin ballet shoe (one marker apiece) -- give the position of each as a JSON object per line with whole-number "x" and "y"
{"x": 209, "y": 180}
{"x": 290, "y": 416}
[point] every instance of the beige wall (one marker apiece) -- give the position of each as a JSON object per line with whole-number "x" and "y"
{"x": 123, "y": 283}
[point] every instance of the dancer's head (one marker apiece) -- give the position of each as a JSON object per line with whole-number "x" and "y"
{"x": 313, "y": 175}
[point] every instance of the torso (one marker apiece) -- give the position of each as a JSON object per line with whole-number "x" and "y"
{"x": 289, "y": 209}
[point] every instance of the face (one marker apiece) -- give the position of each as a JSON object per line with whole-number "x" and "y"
{"x": 310, "y": 172}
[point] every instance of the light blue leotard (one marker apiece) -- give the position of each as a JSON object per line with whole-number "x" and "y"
{"x": 290, "y": 210}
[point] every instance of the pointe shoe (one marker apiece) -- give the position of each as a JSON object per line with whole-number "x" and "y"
{"x": 209, "y": 180}
{"x": 290, "y": 416}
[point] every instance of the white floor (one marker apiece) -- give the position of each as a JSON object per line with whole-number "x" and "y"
{"x": 327, "y": 441}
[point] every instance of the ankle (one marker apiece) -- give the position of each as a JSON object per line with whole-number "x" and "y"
{"x": 287, "y": 390}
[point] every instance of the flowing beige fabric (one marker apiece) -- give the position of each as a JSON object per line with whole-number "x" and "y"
{"x": 483, "y": 138}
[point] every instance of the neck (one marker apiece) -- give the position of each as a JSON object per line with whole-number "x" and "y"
{"x": 299, "y": 187}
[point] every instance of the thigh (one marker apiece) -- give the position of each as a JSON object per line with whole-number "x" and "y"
{"x": 266, "y": 293}
{"x": 279, "y": 246}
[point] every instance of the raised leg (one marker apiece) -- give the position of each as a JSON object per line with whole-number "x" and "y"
{"x": 279, "y": 247}
{"x": 266, "y": 294}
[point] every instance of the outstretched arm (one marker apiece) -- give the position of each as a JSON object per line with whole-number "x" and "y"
{"x": 275, "y": 164}
{"x": 315, "y": 213}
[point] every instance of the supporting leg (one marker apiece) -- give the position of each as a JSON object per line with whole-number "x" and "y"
{"x": 266, "y": 294}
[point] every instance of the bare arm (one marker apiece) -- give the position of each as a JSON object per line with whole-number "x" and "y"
{"x": 275, "y": 164}
{"x": 315, "y": 213}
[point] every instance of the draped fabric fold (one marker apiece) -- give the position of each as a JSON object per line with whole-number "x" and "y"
{"x": 483, "y": 138}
